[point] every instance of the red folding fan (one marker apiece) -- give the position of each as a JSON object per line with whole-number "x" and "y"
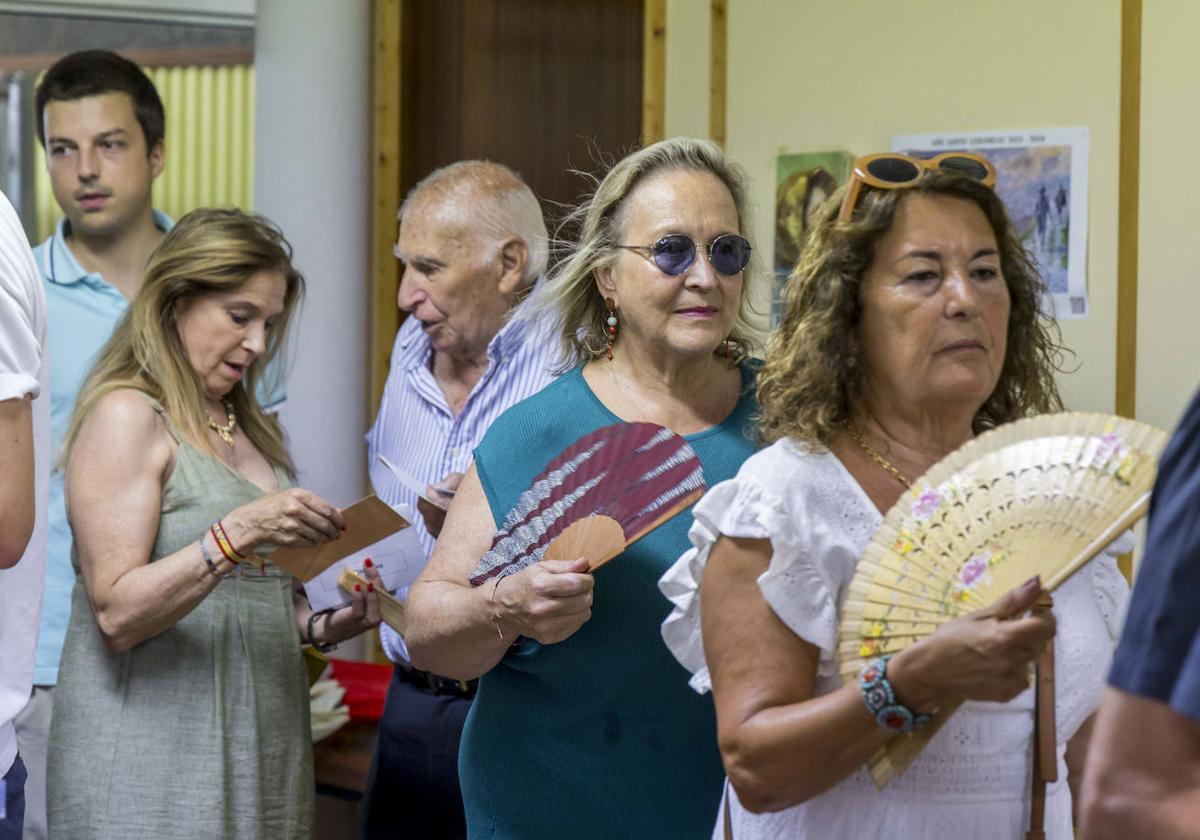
{"x": 603, "y": 492}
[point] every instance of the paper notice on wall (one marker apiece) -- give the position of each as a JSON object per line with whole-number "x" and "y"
{"x": 1042, "y": 178}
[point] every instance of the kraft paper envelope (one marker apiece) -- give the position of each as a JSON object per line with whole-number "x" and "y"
{"x": 368, "y": 521}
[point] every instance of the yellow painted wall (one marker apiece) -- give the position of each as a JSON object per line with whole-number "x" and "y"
{"x": 1168, "y": 369}
{"x": 849, "y": 74}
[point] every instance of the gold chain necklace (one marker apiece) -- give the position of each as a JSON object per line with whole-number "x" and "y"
{"x": 875, "y": 456}
{"x": 225, "y": 432}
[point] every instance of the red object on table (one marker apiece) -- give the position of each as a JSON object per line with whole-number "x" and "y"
{"x": 366, "y": 686}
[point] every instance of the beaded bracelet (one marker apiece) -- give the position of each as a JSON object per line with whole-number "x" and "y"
{"x": 218, "y": 532}
{"x": 881, "y": 700}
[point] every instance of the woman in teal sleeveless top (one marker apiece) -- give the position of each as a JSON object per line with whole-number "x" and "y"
{"x": 584, "y": 725}
{"x": 604, "y": 716}
{"x": 182, "y": 704}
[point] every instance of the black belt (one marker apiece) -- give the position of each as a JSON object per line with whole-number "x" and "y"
{"x": 436, "y": 683}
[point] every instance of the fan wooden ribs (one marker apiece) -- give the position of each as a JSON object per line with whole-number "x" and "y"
{"x": 1037, "y": 496}
{"x": 635, "y": 474}
{"x": 391, "y": 608}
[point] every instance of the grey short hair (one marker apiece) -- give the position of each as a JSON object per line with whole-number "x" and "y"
{"x": 569, "y": 298}
{"x": 499, "y": 204}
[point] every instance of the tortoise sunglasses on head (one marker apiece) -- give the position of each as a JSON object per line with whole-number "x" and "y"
{"x": 898, "y": 171}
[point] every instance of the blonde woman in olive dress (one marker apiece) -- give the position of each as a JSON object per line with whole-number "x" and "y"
{"x": 182, "y": 705}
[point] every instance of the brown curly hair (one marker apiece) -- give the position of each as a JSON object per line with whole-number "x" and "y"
{"x": 811, "y": 381}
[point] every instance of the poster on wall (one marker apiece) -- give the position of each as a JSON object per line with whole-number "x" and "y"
{"x": 802, "y": 182}
{"x": 1042, "y": 177}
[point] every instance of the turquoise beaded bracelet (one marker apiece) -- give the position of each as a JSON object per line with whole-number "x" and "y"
{"x": 881, "y": 700}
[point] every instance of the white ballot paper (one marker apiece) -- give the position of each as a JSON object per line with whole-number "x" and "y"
{"x": 399, "y": 557}
{"x": 414, "y": 484}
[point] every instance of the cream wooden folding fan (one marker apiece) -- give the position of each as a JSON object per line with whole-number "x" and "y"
{"x": 1037, "y": 496}
{"x": 391, "y": 608}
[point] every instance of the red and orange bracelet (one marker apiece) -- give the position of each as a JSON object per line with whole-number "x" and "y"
{"x": 218, "y": 532}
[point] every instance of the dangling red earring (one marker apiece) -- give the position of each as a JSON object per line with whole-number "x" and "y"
{"x": 611, "y": 324}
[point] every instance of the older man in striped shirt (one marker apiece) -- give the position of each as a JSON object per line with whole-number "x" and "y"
{"x": 472, "y": 240}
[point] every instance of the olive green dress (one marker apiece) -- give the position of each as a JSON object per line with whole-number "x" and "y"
{"x": 201, "y": 731}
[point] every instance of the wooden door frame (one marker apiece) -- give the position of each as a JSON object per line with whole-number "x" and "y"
{"x": 654, "y": 70}
{"x": 1128, "y": 186}
{"x": 383, "y": 315}
{"x": 717, "y": 71}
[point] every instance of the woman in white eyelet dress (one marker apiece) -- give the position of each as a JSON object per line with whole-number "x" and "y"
{"x": 972, "y": 781}
{"x": 909, "y": 327}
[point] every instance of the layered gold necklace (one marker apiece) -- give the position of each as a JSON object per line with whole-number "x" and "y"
{"x": 875, "y": 456}
{"x": 225, "y": 432}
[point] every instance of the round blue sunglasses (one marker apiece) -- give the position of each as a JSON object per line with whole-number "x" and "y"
{"x": 675, "y": 253}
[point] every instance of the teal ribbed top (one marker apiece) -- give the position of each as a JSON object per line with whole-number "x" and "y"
{"x": 598, "y": 736}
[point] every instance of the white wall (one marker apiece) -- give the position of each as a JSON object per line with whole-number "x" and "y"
{"x": 311, "y": 178}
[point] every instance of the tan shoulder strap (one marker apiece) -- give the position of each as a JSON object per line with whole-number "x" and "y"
{"x": 162, "y": 413}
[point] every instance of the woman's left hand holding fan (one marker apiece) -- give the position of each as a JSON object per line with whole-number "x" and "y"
{"x": 547, "y": 601}
{"x": 462, "y": 631}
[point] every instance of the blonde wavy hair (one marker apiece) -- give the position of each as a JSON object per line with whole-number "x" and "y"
{"x": 209, "y": 251}
{"x": 569, "y": 299}
{"x": 812, "y": 379}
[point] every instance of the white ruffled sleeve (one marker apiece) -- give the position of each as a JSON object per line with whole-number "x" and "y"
{"x": 794, "y": 588}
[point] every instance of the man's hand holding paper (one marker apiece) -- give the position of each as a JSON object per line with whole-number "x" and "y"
{"x": 434, "y": 503}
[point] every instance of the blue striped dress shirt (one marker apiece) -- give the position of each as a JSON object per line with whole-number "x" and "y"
{"x": 416, "y": 430}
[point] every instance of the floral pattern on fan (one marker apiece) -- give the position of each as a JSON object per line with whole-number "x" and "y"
{"x": 1040, "y": 496}
{"x": 926, "y": 505}
{"x": 1115, "y": 452}
{"x": 935, "y": 510}
{"x": 639, "y": 474}
{"x": 975, "y": 571}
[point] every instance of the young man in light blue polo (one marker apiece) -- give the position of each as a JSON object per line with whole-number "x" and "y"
{"x": 101, "y": 123}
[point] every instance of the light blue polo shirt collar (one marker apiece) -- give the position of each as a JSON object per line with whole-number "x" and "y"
{"x": 60, "y": 263}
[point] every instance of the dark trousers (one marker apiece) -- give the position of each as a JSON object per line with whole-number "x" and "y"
{"x": 412, "y": 791}
{"x": 14, "y": 802}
